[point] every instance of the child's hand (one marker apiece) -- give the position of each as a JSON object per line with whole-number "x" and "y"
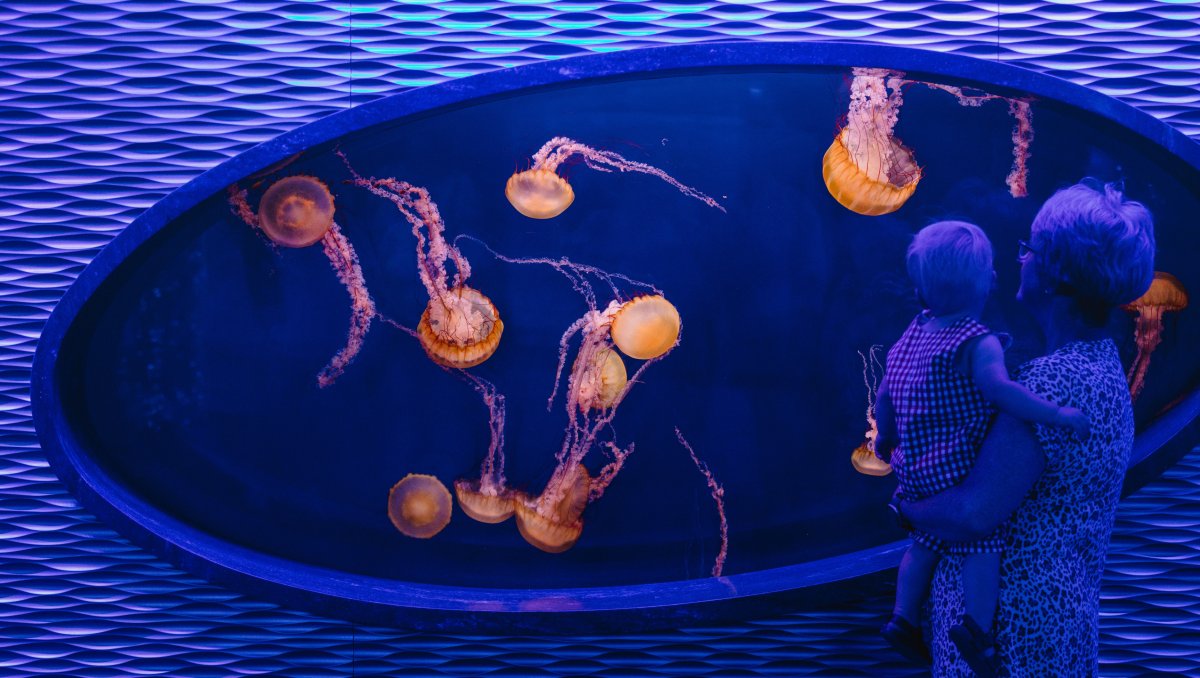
{"x": 1075, "y": 420}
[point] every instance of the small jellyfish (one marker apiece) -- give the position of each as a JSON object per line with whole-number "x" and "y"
{"x": 1166, "y": 293}
{"x": 297, "y": 211}
{"x": 718, "y": 495}
{"x": 488, "y": 500}
{"x": 863, "y": 458}
{"x": 646, "y": 327}
{"x": 866, "y": 168}
{"x": 553, "y": 523}
{"x": 420, "y": 505}
{"x": 460, "y": 326}
{"x": 540, "y": 193}
{"x": 601, "y": 384}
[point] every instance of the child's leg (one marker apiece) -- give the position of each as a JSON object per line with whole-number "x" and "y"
{"x": 912, "y": 583}
{"x": 981, "y": 586}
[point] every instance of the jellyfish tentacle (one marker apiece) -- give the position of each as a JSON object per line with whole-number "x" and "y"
{"x": 718, "y": 494}
{"x": 342, "y": 258}
{"x": 344, "y": 261}
{"x": 558, "y": 149}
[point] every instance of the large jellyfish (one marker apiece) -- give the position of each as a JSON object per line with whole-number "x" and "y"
{"x": 297, "y": 211}
{"x": 863, "y": 458}
{"x": 420, "y": 505}
{"x": 1166, "y": 293}
{"x": 866, "y": 168}
{"x": 540, "y": 193}
{"x": 718, "y": 495}
{"x": 870, "y": 172}
{"x": 460, "y": 326}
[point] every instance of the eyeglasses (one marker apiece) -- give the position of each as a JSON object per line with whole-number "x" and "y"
{"x": 1024, "y": 249}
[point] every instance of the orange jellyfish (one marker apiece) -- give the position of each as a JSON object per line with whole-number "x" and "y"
{"x": 460, "y": 327}
{"x": 420, "y": 505}
{"x": 866, "y": 168}
{"x": 646, "y": 327}
{"x": 297, "y": 211}
{"x": 540, "y": 193}
{"x": 1166, "y": 293}
{"x": 488, "y": 500}
{"x": 863, "y": 458}
{"x": 718, "y": 495}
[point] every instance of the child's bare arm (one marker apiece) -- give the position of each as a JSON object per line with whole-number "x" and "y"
{"x": 987, "y": 368}
{"x": 885, "y": 423}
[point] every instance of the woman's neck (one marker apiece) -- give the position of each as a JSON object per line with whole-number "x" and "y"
{"x": 1061, "y": 325}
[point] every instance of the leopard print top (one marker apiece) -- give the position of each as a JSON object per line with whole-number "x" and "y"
{"x": 1048, "y": 616}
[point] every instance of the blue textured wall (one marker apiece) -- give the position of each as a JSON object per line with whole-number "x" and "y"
{"x": 107, "y": 105}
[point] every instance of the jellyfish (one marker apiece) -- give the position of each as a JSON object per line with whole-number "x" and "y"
{"x": 870, "y": 172}
{"x": 646, "y": 327}
{"x": 540, "y": 193}
{"x": 866, "y": 168}
{"x": 559, "y": 525}
{"x": 1166, "y": 293}
{"x": 460, "y": 326}
{"x": 863, "y": 458}
{"x": 297, "y": 211}
{"x": 419, "y": 505}
{"x": 488, "y": 500}
{"x": 718, "y": 495}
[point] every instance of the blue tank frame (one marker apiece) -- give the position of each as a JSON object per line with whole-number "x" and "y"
{"x": 384, "y": 602}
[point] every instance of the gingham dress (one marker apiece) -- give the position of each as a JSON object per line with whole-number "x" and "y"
{"x": 941, "y": 418}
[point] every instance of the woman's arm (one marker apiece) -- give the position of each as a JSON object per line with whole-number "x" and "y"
{"x": 1009, "y": 463}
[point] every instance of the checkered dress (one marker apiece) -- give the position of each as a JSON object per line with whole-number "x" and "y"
{"x": 941, "y": 418}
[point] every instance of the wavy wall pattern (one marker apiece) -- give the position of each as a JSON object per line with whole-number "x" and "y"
{"x": 106, "y": 106}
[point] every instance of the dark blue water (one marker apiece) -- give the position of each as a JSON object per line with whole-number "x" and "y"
{"x": 192, "y": 373}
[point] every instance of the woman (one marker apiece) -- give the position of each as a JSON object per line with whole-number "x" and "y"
{"x": 1089, "y": 250}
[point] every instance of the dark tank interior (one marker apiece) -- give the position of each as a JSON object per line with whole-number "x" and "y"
{"x": 193, "y": 368}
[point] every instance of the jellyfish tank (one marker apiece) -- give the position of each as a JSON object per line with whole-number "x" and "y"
{"x": 245, "y": 401}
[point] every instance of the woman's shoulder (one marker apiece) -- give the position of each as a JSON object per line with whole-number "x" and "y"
{"x": 1057, "y": 375}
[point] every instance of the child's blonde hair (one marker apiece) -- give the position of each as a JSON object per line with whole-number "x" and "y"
{"x": 950, "y": 262}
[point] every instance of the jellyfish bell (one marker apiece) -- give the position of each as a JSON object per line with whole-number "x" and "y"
{"x": 1166, "y": 293}
{"x": 460, "y": 329}
{"x": 646, "y": 327}
{"x": 865, "y": 462}
{"x": 485, "y": 506}
{"x": 603, "y": 382}
{"x": 867, "y": 174}
{"x": 296, "y": 211}
{"x": 556, "y": 527}
{"x": 539, "y": 193}
{"x": 419, "y": 505}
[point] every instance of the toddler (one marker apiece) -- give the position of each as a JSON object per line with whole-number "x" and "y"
{"x": 944, "y": 380}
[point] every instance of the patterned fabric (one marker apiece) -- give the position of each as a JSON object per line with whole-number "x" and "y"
{"x": 941, "y": 418}
{"x": 1048, "y": 616}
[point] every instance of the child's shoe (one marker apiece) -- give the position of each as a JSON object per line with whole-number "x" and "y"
{"x": 977, "y": 647}
{"x": 906, "y": 639}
